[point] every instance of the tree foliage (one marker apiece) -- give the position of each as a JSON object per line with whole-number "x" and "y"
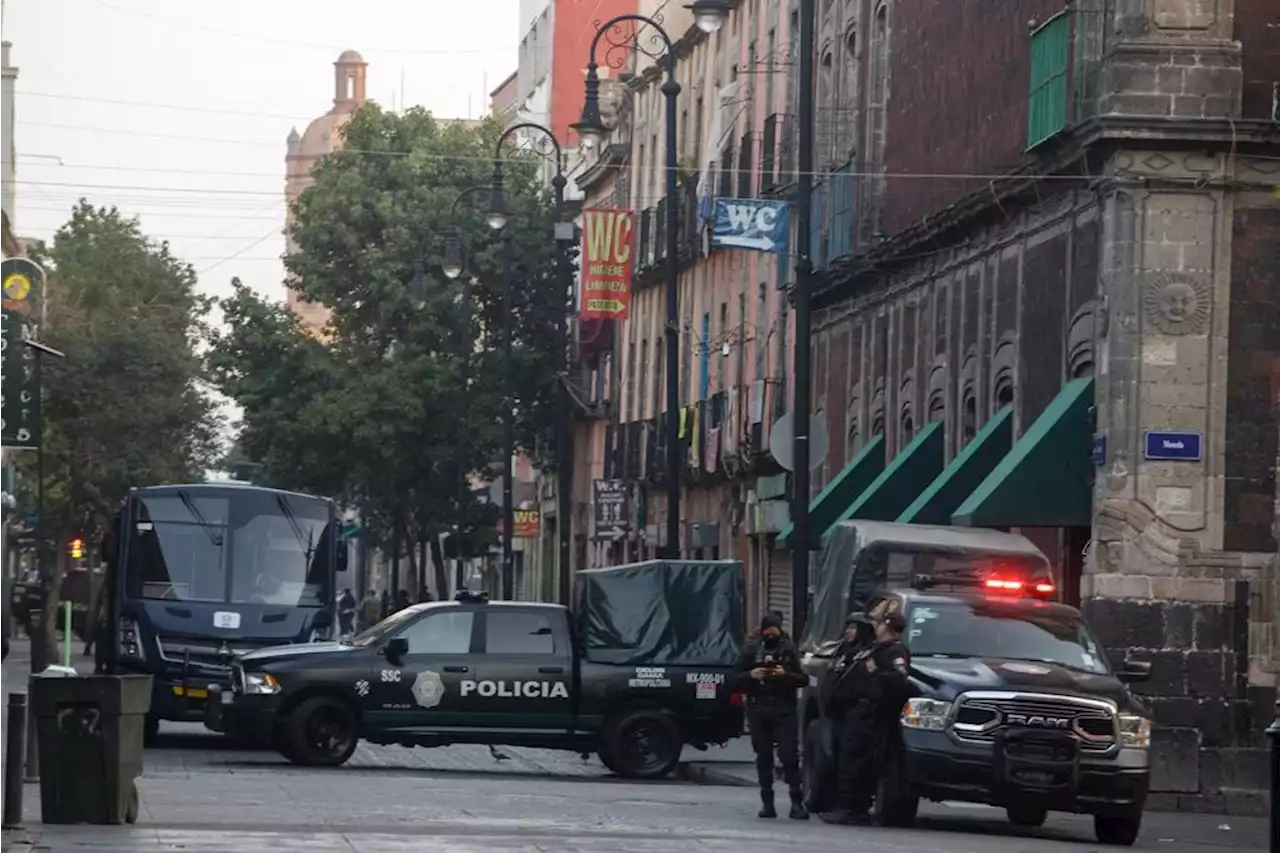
{"x": 128, "y": 405}
{"x": 406, "y": 393}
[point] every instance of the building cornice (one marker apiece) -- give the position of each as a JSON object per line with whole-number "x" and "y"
{"x": 613, "y": 156}
{"x": 1075, "y": 153}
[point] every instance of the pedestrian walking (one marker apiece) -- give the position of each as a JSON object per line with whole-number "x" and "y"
{"x": 867, "y": 698}
{"x": 402, "y": 600}
{"x": 370, "y": 610}
{"x": 346, "y": 613}
{"x": 770, "y": 673}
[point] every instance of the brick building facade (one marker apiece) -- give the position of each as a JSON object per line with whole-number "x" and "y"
{"x": 1035, "y": 251}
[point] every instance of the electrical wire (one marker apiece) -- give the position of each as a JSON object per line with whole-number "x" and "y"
{"x": 239, "y": 254}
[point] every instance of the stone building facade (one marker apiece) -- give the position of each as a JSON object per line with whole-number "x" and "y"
{"x": 733, "y": 340}
{"x": 1041, "y": 256}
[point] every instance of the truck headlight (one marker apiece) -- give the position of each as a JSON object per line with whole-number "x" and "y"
{"x": 928, "y": 714}
{"x": 1135, "y": 731}
{"x": 261, "y": 683}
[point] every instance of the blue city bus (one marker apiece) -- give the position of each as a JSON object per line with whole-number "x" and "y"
{"x": 201, "y": 573}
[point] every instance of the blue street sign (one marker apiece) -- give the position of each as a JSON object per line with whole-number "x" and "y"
{"x": 760, "y": 225}
{"x": 1098, "y": 453}
{"x": 1172, "y": 446}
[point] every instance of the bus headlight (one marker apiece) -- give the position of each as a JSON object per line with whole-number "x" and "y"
{"x": 262, "y": 683}
{"x": 930, "y": 714}
{"x": 1135, "y": 731}
{"x": 130, "y": 639}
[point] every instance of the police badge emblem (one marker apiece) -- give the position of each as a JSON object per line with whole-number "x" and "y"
{"x": 428, "y": 689}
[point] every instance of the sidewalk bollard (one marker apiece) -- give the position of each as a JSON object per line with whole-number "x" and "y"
{"x": 1273, "y": 732}
{"x": 13, "y": 760}
{"x": 32, "y": 762}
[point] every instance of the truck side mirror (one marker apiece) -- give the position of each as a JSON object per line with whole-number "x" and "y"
{"x": 1134, "y": 671}
{"x": 396, "y": 649}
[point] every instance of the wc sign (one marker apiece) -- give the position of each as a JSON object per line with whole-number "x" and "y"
{"x": 758, "y": 225}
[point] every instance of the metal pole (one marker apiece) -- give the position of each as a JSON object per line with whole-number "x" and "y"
{"x": 800, "y": 411}
{"x": 564, "y": 422}
{"x": 32, "y": 759}
{"x": 464, "y": 497}
{"x": 508, "y": 424}
{"x": 1273, "y": 732}
{"x": 14, "y": 750}
{"x": 670, "y": 90}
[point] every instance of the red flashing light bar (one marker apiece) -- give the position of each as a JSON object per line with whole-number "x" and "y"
{"x": 1042, "y": 588}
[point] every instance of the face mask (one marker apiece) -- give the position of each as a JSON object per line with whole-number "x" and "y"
{"x": 772, "y": 641}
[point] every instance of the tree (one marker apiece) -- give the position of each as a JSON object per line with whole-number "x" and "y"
{"x": 127, "y": 406}
{"x": 401, "y": 400}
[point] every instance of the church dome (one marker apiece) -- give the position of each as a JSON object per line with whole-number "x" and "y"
{"x": 323, "y": 134}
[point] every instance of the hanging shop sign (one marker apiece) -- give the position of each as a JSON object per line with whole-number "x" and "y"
{"x": 608, "y": 237}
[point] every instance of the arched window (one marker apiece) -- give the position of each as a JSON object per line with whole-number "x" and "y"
{"x": 937, "y": 408}
{"x": 1004, "y": 394}
{"x": 969, "y": 418}
{"x": 908, "y": 428}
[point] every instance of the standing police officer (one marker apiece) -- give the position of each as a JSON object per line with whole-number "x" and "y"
{"x": 770, "y": 669}
{"x": 867, "y": 700}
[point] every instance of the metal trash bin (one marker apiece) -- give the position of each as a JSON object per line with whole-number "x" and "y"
{"x": 91, "y": 730}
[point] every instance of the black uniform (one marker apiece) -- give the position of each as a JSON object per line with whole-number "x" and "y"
{"x": 867, "y": 704}
{"x": 771, "y": 714}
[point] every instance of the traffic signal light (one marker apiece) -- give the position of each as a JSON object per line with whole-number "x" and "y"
{"x": 77, "y": 548}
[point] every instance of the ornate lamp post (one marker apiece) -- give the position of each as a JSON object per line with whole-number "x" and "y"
{"x": 498, "y": 214}
{"x": 591, "y": 130}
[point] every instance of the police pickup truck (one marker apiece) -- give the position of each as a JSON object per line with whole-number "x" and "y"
{"x": 1016, "y": 704}
{"x": 471, "y": 671}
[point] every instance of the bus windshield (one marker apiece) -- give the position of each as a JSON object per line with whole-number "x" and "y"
{"x": 223, "y": 546}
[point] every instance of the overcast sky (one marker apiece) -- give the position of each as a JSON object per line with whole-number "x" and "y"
{"x": 177, "y": 110}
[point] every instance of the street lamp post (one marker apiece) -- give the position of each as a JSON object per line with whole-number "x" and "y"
{"x": 564, "y": 236}
{"x": 710, "y": 15}
{"x": 451, "y": 265}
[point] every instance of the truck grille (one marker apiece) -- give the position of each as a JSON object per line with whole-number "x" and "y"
{"x": 981, "y": 715}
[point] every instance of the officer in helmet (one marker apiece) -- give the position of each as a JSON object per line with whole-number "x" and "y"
{"x": 867, "y": 700}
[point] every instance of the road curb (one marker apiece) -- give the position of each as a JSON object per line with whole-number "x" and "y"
{"x": 701, "y": 774}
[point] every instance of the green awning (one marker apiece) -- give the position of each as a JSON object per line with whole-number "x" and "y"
{"x": 840, "y": 492}
{"x": 1046, "y": 480}
{"x": 910, "y": 472}
{"x": 966, "y": 472}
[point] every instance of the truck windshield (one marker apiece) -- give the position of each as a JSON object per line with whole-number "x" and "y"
{"x": 1012, "y": 630}
{"x": 243, "y": 547}
{"x": 375, "y": 634}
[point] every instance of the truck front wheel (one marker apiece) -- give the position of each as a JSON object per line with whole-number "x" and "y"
{"x": 320, "y": 732}
{"x": 1121, "y": 831}
{"x": 640, "y": 744}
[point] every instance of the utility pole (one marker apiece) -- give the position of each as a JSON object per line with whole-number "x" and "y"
{"x": 804, "y": 274}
